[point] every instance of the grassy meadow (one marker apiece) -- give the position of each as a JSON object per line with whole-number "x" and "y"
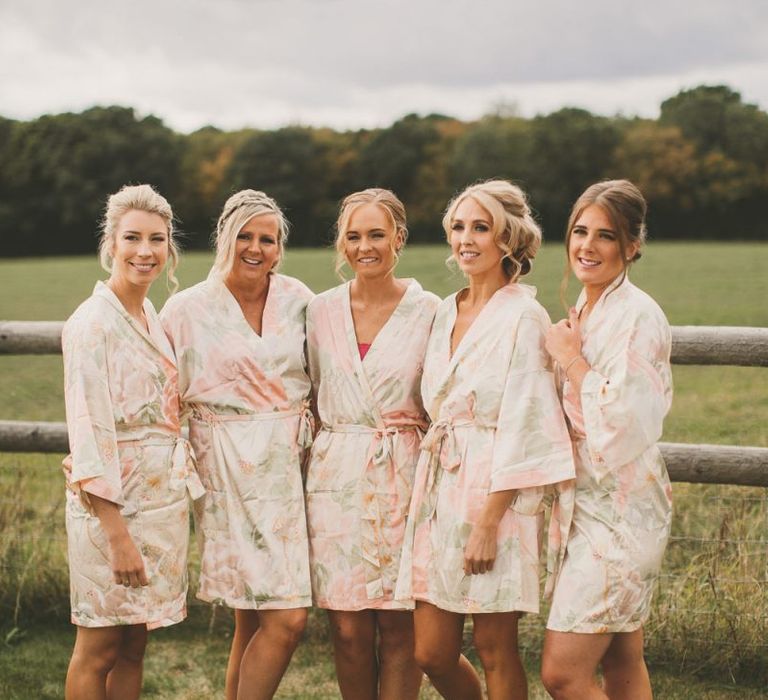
{"x": 708, "y": 637}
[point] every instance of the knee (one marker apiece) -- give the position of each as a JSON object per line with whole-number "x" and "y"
{"x": 490, "y": 652}
{"x": 290, "y": 628}
{"x": 98, "y": 661}
{"x": 434, "y": 661}
{"x": 556, "y": 681}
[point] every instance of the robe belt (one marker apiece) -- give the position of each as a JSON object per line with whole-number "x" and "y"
{"x": 201, "y": 412}
{"x": 440, "y": 443}
{"x": 381, "y": 453}
{"x": 183, "y": 474}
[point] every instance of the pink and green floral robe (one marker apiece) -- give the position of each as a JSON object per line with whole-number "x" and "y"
{"x": 361, "y": 470}
{"x": 247, "y": 397}
{"x": 623, "y": 507}
{"x": 497, "y": 425}
{"x": 122, "y": 406}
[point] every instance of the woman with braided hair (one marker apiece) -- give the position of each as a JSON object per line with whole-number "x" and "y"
{"x": 239, "y": 340}
{"x": 496, "y": 448}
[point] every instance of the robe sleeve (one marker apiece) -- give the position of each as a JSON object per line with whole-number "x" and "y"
{"x": 624, "y": 399}
{"x": 172, "y": 317}
{"x": 532, "y": 446}
{"x": 313, "y": 350}
{"x": 93, "y": 466}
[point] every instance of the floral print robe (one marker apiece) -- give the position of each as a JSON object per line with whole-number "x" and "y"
{"x": 363, "y": 459}
{"x": 622, "y": 515}
{"x": 497, "y": 425}
{"x": 249, "y": 423}
{"x": 123, "y": 420}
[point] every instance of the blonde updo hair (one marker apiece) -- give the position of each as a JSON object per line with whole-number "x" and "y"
{"x": 626, "y": 207}
{"x": 238, "y": 210}
{"x": 388, "y": 201}
{"x": 514, "y": 230}
{"x": 139, "y": 198}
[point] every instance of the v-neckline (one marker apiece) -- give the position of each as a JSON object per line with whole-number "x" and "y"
{"x": 265, "y": 312}
{"x": 453, "y": 353}
{"x": 147, "y": 308}
{"x": 350, "y": 319}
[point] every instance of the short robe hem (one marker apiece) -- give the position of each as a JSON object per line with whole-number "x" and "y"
{"x": 599, "y": 629}
{"x": 479, "y": 609}
{"x": 124, "y": 621}
{"x": 240, "y": 604}
{"x": 395, "y": 605}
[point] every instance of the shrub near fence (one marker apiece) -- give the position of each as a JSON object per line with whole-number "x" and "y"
{"x": 711, "y": 609}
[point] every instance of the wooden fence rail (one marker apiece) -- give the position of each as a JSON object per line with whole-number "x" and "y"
{"x": 691, "y": 345}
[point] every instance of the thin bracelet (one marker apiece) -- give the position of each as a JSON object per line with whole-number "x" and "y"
{"x": 568, "y": 366}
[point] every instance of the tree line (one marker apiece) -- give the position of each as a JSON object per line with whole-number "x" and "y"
{"x": 703, "y": 165}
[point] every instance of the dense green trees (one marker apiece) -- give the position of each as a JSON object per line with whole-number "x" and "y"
{"x": 703, "y": 166}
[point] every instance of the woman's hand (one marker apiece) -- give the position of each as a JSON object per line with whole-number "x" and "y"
{"x": 480, "y": 552}
{"x": 126, "y": 561}
{"x": 563, "y": 339}
{"x": 124, "y": 556}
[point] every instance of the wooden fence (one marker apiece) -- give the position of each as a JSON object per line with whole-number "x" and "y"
{"x": 691, "y": 345}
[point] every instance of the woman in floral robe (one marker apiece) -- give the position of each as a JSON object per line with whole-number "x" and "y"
{"x": 129, "y": 471}
{"x": 366, "y": 342}
{"x": 239, "y": 339}
{"x": 613, "y": 352}
{"x": 497, "y": 449}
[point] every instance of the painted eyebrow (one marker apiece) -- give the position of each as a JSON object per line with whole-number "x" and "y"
{"x": 474, "y": 221}
{"x": 154, "y": 233}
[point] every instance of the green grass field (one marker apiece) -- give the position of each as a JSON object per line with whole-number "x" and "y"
{"x": 708, "y": 637}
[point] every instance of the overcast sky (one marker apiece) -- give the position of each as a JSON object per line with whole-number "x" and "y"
{"x": 358, "y": 63}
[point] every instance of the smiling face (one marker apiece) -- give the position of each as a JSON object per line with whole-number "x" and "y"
{"x": 140, "y": 249}
{"x": 370, "y": 241}
{"x": 256, "y": 250}
{"x": 472, "y": 240}
{"x": 594, "y": 252}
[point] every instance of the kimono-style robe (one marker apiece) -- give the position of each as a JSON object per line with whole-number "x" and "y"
{"x": 122, "y": 406}
{"x": 249, "y": 422}
{"x": 623, "y": 506}
{"x": 363, "y": 459}
{"x": 497, "y": 425}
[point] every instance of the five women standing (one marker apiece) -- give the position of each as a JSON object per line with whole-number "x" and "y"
{"x": 484, "y": 423}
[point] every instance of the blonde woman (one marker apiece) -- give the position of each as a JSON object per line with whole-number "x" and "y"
{"x": 239, "y": 339}
{"x": 613, "y": 352}
{"x": 129, "y": 471}
{"x": 366, "y": 342}
{"x": 497, "y": 443}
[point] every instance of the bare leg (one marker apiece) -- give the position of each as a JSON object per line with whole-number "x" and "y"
{"x": 246, "y": 624}
{"x": 124, "y": 680}
{"x": 399, "y": 674}
{"x": 624, "y": 670}
{"x": 354, "y": 652}
{"x": 268, "y": 653}
{"x": 569, "y": 663}
{"x": 438, "y": 653}
{"x": 495, "y": 638}
{"x": 95, "y": 654}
